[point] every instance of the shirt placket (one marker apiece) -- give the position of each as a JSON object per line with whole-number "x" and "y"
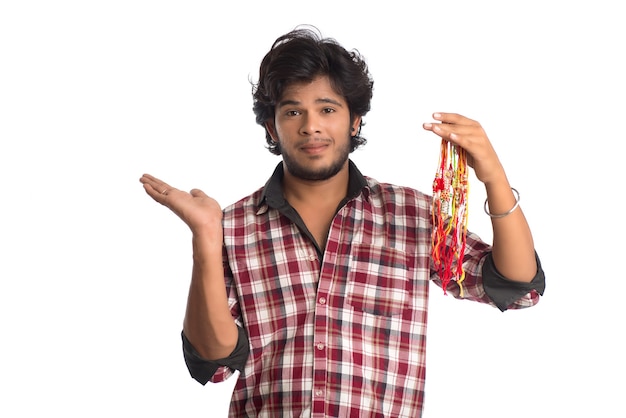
{"x": 320, "y": 341}
{"x": 321, "y": 321}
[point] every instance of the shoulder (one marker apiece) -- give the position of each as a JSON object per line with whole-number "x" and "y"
{"x": 388, "y": 192}
{"x": 251, "y": 201}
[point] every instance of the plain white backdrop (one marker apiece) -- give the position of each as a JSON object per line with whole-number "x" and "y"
{"x": 94, "y": 274}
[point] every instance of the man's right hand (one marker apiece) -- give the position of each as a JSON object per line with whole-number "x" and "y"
{"x": 200, "y": 212}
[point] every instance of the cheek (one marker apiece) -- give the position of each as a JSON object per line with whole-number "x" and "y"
{"x": 284, "y": 127}
{"x": 276, "y": 131}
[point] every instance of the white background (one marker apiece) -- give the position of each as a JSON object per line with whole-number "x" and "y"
{"x": 94, "y": 274}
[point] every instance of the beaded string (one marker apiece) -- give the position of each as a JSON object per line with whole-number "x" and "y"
{"x": 449, "y": 213}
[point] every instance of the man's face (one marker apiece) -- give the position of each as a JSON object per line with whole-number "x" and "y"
{"x": 313, "y": 127}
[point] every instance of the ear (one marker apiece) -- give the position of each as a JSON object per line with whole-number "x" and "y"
{"x": 271, "y": 129}
{"x": 355, "y": 125}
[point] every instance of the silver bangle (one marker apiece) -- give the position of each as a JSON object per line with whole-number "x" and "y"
{"x": 517, "y": 199}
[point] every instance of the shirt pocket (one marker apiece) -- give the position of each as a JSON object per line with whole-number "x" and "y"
{"x": 380, "y": 280}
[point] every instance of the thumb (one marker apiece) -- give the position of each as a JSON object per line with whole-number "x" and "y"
{"x": 197, "y": 193}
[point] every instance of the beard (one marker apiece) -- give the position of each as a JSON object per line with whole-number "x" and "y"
{"x": 317, "y": 174}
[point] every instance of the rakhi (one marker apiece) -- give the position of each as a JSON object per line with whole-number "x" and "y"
{"x": 449, "y": 213}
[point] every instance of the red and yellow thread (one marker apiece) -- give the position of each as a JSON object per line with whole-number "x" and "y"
{"x": 449, "y": 213}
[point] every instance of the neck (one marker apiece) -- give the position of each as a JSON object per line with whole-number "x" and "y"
{"x": 316, "y": 192}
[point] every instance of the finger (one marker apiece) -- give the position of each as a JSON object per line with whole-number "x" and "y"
{"x": 154, "y": 193}
{"x": 456, "y": 133}
{"x": 447, "y": 131}
{"x": 147, "y": 176}
{"x": 155, "y": 184}
{"x": 453, "y": 118}
{"x": 149, "y": 179}
{"x": 451, "y": 131}
{"x": 158, "y": 190}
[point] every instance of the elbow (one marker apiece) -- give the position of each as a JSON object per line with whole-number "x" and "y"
{"x": 214, "y": 345}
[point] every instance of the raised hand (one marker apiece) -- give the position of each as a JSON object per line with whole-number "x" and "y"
{"x": 469, "y": 135}
{"x": 199, "y": 211}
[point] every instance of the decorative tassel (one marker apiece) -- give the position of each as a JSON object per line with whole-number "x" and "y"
{"x": 449, "y": 212}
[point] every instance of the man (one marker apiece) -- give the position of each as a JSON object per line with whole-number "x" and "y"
{"x": 315, "y": 286}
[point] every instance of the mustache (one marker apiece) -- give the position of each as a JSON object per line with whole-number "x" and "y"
{"x": 313, "y": 141}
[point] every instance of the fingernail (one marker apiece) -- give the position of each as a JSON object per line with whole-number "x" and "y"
{"x": 437, "y": 115}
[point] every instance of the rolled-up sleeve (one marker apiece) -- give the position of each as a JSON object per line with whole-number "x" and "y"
{"x": 506, "y": 293}
{"x": 203, "y": 370}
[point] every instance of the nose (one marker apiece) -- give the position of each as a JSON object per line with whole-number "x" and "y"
{"x": 311, "y": 124}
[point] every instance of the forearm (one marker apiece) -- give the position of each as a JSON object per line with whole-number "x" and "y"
{"x": 513, "y": 247}
{"x": 208, "y": 323}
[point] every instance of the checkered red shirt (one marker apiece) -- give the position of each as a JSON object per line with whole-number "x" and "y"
{"x": 338, "y": 333}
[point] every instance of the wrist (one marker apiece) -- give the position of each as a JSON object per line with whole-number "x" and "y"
{"x": 207, "y": 245}
{"x": 503, "y": 214}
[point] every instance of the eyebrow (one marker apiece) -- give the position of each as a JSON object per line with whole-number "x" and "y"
{"x": 320, "y": 100}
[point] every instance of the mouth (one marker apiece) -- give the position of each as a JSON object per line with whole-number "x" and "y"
{"x": 315, "y": 147}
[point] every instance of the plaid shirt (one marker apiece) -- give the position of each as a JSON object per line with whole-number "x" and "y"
{"x": 339, "y": 332}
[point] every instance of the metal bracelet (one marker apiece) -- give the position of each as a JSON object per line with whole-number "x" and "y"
{"x": 517, "y": 199}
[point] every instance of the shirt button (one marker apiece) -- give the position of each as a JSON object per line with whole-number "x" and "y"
{"x": 320, "y": 346}
{"x": 318, "y": 392}
{"x": 322, "y": 300}
{"x": 312, "y": 257}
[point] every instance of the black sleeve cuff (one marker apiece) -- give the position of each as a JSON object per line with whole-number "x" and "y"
{"x": 203, "y": 370}
{"x": 502, "y": 291}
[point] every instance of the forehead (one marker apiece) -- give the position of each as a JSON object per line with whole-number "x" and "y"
{"x": 317, "y": 89}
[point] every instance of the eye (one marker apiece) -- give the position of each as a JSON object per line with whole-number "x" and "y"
{"x": 328, "y": 110}
{"x": 292, "y": 113}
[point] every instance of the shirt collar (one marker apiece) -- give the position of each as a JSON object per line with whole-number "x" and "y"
{"x": 272, "y": 194}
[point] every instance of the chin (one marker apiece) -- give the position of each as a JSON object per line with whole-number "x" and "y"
{"x": 312, "y": 173}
